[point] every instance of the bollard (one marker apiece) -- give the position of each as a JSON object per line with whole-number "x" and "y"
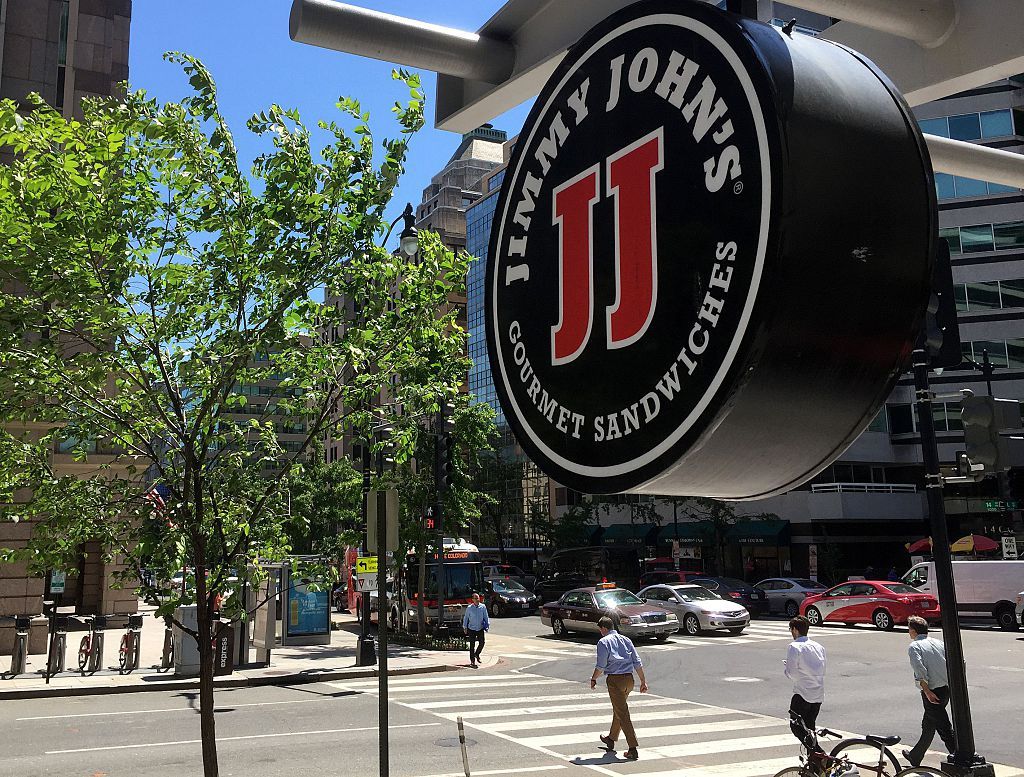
{"x": 19, "y": 656}
{"x": 462, "y": 744}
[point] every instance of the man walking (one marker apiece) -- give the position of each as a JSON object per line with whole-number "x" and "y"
{"x": 805, "y": 666}
{"x": 617, "y": 659}
{"x": 475, "y": 622}
{"x": 928, "y": 660}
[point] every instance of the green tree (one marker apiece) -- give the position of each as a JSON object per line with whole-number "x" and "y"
{"x": 148, "y": 278}
{"x": 325, "y": 505}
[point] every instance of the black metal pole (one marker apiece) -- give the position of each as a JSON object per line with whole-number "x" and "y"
{"x": 365, "y": 652}
{"x": 439, "y": 627}
{"x": 965, "y": 761}
{"x": 383, "y": 610}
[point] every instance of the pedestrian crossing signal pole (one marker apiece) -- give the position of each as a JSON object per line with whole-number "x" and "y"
{"x": 383, "y": 613}
{"x": 965, "y": 762}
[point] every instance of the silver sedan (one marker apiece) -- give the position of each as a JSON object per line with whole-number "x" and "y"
{"x": 697, "y": 608}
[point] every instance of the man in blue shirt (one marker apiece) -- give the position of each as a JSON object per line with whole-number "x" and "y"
{"x": 617, "y": 659}
{"x": 475, "y": 623}
{"x": 928, "y": 660}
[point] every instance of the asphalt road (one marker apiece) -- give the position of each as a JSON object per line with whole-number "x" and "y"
{"x": 714, "y": 702}
{"x": 869, "y": 687}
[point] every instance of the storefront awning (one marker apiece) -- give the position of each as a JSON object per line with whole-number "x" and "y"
{"x": 754, "y": 532}
{"x": 632, "y": 534}
{"x": 687, "y": 532}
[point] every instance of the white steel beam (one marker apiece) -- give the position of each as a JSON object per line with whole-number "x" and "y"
{"x": 973, "y": 161}
{"x": 927, "y": 22}
{"x": 985, "y": 45}
{"x": 349, "y": 28}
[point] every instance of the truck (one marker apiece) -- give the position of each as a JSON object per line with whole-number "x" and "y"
{"x": 983, "y": 588}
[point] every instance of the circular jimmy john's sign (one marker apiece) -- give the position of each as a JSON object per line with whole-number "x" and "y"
{"x": 659, "y": 282}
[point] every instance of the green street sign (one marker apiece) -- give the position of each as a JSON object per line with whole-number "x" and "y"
{"x": 995, "y": 506}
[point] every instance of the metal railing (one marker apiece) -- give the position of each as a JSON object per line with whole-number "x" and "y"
{"x": 863, "y": 488}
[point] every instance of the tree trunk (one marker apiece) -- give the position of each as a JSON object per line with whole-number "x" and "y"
{"x": 207, "y": 723}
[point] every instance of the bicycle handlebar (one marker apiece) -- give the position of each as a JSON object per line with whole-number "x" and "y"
{"x": 824, "y": 732}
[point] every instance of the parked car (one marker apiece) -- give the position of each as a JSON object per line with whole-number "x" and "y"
{"x": 512, "y": 573}
{"x": 869, "y": 601}
{"x": 983, "y": 588}
{"x": 504, "y": 596}
{"x": 755, "y": 602}
{"x": 667, "y": 577}
{"x": 697, "y": 608}
{"x": 581, "y": 609}
{"x": 785, "y": 593}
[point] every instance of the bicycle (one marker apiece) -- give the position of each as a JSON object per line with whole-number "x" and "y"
{"x": 815, "y": 762}
{"x": 167, "y": 654}
{"x": 128, "y": 655}
{"x": 90, "y": 649}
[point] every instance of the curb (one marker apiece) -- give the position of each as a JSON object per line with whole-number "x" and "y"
{"x": 232, "y": 681}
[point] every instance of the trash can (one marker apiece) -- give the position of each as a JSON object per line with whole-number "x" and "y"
{"x": 186, "y": 651}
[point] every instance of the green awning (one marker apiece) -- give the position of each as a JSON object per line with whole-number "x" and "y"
{"x": 633, "y": 534}
{"x": 687, "y": 532}
{"x": 754, "y": 532}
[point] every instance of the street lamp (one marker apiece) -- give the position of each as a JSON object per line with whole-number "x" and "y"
{"x": 409, "y": 241}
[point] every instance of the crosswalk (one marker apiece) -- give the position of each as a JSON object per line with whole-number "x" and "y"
{"x": 757, "y": 631}
{"x": 563, "y": 719}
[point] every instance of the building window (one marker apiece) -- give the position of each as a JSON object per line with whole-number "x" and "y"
{"x": 878, "y": 423}
{"x": 976, "y": 238}
{"x": 983, "y": 296}
{"x": 901, "y": 419}
{"x": 1012, "y": 293}
{"x": 1015, "y": 354}
{"x": 1009, "y": 235}
{"x": 62, "y": 54}
{"x": 952, "y": 236}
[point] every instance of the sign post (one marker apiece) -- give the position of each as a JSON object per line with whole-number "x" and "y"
{"x": 1009, "y": 547}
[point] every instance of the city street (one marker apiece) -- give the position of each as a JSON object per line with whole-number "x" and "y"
{"x": 716, "y": 706}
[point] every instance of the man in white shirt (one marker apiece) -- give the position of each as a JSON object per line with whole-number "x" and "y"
{"x": 805, "y": 666}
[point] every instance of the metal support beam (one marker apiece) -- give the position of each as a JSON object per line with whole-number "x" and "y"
{"x": 973, "y": 161}
{"x": 343, "y": 27}
{"x": 928, "y": 22}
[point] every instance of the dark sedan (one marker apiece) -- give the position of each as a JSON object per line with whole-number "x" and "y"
{"x": 582, "y": 608}
{"x": 730, "y": 588}
{"x": 507, "y": 597}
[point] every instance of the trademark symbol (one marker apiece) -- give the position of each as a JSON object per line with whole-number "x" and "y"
{"x": 737, "y": 187}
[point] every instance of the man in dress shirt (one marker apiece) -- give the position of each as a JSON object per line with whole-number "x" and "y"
{"x": 928, "y": 660}
{"x": 805, "y": 666}
{"x": 475, "y": 622}
{"x": 617, "y": 659}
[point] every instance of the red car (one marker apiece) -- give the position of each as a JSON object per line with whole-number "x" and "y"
{"x": 866, "y": 601}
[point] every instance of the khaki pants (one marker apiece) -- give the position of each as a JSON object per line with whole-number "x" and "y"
{"x": 619, "y": 687}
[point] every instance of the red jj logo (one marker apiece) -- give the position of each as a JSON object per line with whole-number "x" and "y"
{"x": 629, "y": 176}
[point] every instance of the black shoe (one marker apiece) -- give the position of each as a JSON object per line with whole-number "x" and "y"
{"x": 910, "y": 760}
{"x": 631, "y": 754}
{"x": 609, "y": 743}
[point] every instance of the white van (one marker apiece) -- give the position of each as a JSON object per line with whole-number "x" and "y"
{"x": 985, "y": 588}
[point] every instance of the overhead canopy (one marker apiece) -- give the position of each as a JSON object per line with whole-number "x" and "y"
{"x": 634, "y": 534}
{"x": 687, "y": 532}
{"x": 755, "y": 532}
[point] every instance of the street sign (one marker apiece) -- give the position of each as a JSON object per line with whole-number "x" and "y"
{"x": 998, "y": 506}
{"x": 366, "y": 565}
{"x": 596, "y": 269}
{"x": 57, "y": 580}
{"x": 1009, "y": 548}
{"x": 391, "y": 516}
{"x": 366, "y": 583}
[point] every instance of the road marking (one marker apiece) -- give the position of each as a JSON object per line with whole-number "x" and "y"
{"x": 723, "y": 746}
{"x": 459, "y": 687}
{"x": 453, "y": 677}
{"x": 522, "y": 770}
{"x": 742, "y": 769}
{"x": 222, "y": 708}
{"x": 546, "y": 723}
{"x": 555, "y": 740}
{"x": 742, "y": 679}
{"x": 431, "y": 705}
{"x": 1007, "y": 668}
{"x": 603, "y": 704}
{"x": 233, "y": 739}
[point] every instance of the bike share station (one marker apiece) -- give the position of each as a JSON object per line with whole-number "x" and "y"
{"x": 737, "y": 221}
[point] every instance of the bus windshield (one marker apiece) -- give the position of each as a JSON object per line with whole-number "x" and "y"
{"x": 462, "y": 581}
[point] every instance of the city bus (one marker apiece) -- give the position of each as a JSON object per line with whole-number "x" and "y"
{"x": 464, "y": 576}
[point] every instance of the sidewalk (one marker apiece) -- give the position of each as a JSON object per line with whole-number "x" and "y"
{"x": 288, "y": 665}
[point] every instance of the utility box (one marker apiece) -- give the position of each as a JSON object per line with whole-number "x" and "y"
{"x": 186, "y": 649}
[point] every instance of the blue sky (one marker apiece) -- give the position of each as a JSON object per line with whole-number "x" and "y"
{"x": 245, "y": 44}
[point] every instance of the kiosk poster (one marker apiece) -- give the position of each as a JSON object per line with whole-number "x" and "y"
{"x": 308, "y": 611}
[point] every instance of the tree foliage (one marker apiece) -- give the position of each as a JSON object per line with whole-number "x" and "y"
{"x": 150, "y": 280}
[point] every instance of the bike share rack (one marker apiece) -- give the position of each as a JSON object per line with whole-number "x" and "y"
{"x": 19, "y": 656}
{"x": 58, "y": 644}
{"x": 128, "y": 656}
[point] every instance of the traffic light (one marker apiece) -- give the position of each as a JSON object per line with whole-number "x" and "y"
{"x": 942, "y": 331}
{"x": 445, "y": 454}
{"x": 984, "y": 418}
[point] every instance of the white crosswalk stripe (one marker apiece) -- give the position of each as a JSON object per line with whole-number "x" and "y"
{"x": 678, "y": 738}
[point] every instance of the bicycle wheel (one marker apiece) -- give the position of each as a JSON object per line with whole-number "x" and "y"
{"x": 84, "y": 651}
{"x": 865, "y": 756}
{"x": 920, "y": 771}
{"x": 124, "y": 654}
{"x": 795, "y": 771}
